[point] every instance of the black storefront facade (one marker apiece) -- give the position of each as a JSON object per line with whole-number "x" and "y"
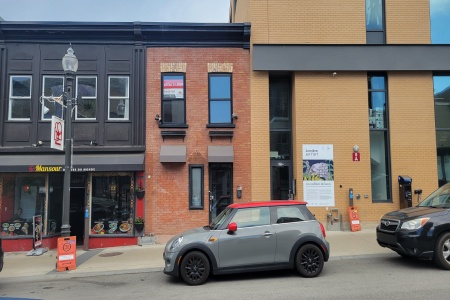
{"x": 108, "y": 132}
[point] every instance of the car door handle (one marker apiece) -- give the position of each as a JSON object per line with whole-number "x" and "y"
{"x": 268, "y": 234}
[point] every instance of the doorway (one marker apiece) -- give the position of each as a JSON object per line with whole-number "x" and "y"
{"x": 281, "y": 180}
{"x": 220, "y": 188}
{"x": 77, "y": 206}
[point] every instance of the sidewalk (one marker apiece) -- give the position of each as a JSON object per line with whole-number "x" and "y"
{"x": 136, "y": 259}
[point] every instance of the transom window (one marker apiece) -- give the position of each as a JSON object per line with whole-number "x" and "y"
{"x": 118, "y": 97}
{"x": 87, "y": 90}
{"x": 52, "y": 86}
{"x": 220, "y": 98}
{"x": 19, "y": 98}
{"x": 173, "y": 98}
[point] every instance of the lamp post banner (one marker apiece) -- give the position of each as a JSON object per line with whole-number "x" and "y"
{"x": 57, "y": 134}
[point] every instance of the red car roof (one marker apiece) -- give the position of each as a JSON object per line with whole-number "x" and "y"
{"x": 266, "y": 203}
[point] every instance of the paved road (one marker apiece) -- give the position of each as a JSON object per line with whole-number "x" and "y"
{"x": 382, "y": 276}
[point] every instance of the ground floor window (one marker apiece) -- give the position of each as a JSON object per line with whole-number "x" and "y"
{"x": 112, "y": 204}
{"x": 23, "y": 196}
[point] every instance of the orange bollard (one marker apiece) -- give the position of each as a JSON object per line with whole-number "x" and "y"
{"x": 354, "y": 218}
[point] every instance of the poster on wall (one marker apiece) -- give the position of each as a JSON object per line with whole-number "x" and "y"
{"x": 318, "y": 175}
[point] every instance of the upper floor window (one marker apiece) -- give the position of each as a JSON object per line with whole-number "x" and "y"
{"x": 440, "y": 21}
{"x": 375, "y": 29}
{"x": 19, "y": 98}
{"x": 52, "y": 86}
{"x": 87, "y": 90}
{"x": 173, "y": 99}
{"x": 118, "y": 97}
{"x": 220, "y": 98}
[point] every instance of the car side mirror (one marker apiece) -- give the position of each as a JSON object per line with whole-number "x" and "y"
{"x": 232, "y": 227}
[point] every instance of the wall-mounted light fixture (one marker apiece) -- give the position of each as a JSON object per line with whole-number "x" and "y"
{"x": 158, "y": 118}
{"x": 355, "y": 148}
{"x": 334, "y": 74}
{"x": 234, "y": 116}
{"x": 93, "y": 143}
{"x": 239, "y": 191}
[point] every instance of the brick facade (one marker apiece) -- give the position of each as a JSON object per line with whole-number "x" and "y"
{"x": 167, "y": 210}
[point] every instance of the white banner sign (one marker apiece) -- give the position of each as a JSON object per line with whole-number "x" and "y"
{"x": 318, "y": 175}
{"x": 57, "y": 134}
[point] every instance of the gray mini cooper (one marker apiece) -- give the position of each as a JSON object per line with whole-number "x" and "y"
{"x": 248, "y": 237}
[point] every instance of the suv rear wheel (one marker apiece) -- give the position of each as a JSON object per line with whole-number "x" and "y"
{"x": 309, "y": 261}
{"x": 195, "y": 268}
{"x": 442, "y": 251}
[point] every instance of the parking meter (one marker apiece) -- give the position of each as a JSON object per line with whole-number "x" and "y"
{"x": 405, "y": 191}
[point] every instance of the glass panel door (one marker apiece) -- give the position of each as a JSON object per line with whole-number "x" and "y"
{"x": 220, "y": 188}
{"x": 281, "y": 181}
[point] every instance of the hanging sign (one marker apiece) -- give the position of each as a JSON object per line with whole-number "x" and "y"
{"x": 57, "y": 134}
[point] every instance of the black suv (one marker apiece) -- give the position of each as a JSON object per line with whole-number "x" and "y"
{"x": 422, "y": 231}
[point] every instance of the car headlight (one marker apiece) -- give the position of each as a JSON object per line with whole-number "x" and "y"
{"x": 176, "y": 243}
{"x": 414, "y": 224}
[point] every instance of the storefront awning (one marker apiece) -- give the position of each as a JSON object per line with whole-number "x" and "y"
{"x": 172, "y": 154}
{"x": 220, "y": 154}
{"x": 80, "y": 163}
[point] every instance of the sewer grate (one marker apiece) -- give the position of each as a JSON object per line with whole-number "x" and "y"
{"x": 110, "y": 254}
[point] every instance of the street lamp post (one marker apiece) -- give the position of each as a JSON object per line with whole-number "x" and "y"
{"x": 70, "y": 66}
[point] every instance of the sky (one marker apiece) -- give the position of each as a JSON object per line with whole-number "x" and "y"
{"x": 198, "y": 11}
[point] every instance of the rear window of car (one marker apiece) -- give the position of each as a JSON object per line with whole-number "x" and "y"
{"x": 289, "y": 214}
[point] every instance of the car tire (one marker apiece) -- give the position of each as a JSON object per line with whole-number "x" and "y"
{"x": 195, "y": 268}
{"x": 309, "y": 261}
{"x": 442, "y": 251}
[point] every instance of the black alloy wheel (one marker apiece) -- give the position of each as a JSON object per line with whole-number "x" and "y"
{"x": 442, "y": 251}
{"x": 309, "y": 261}
{"x": 195, "y": 268}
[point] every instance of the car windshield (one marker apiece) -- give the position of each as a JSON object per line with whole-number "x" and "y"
{"x": 218, "y": 221}
{"x": 439, "y": 198}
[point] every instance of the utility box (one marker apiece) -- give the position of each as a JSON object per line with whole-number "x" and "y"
{"x": 405, "y": 191}
{"x": 334, "y": 220}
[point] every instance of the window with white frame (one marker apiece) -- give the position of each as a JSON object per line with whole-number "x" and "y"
{"x": 19, "y": 98}
{"x": 52, "y": 86}
{"x": 118, "y": 97}
{"x": 87, "y": 90}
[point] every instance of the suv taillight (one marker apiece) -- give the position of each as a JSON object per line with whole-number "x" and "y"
{"x": 323, "y": 230}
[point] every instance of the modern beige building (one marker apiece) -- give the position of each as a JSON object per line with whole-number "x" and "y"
{"x": 342, "y": 100}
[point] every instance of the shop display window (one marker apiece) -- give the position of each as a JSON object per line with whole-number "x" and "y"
{"x": 112, "y": 205}
{"x": 23, "y": 197}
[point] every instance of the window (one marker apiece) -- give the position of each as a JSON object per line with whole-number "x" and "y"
{"x": 87, "y": 90}
{"x": 379, "y": 144}
{"x": 118, "y": 98}
{"x": 249, "y": 217}
{"x": 111, "y": 208}
{"x": 220, "y": 98}
{"x": 195, "y": 186}
{"x": 442, "y": 119}
{"x": 19, "y": 98}
{"x": 289, "y": 214}
{"x": 173, "y": 99}
{"x": 52, "y": 86}
{"x": 440, "y": 21}
{"x": 280, "y": 118}
{"x": 375, "y": 22}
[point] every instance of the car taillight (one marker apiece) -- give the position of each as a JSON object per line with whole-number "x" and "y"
{"x": 323, "y": 230}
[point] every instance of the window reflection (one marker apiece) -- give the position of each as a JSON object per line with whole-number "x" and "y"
{"x": 111, "y": 208}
